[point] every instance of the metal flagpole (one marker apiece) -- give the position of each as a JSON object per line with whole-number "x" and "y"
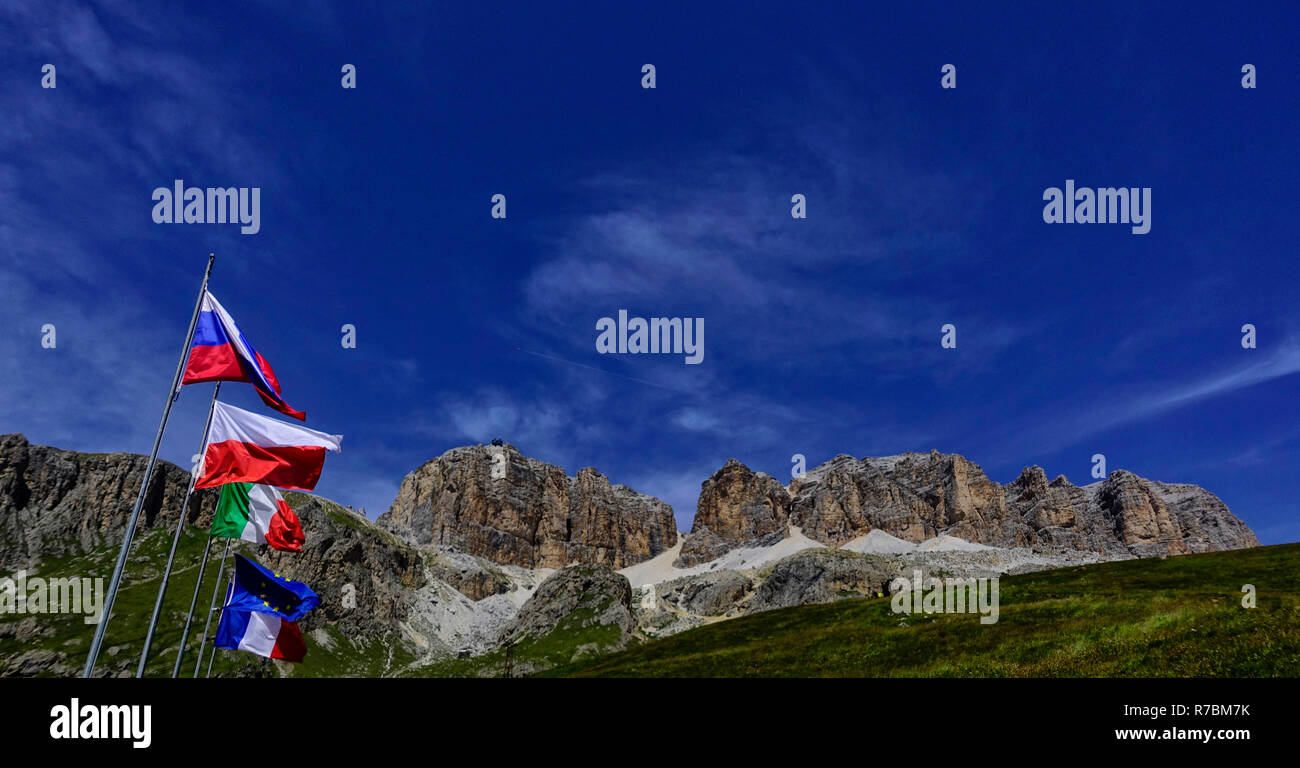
{"x": 216, "y": 588}
{"x": 176, "y": 540}
{"x": 194, "y": 601}
{"x": 172, "y": 393}
{"x": 230, "y": 587}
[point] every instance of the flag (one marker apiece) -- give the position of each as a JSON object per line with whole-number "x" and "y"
{"x": 221, "y": 353}
{"x": 257, "y": 513}
{"x": 243, "y": 447}
{"x": 262, "y": 634}
{"x": 257, "y": 589}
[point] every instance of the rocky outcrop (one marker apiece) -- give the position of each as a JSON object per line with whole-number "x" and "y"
{"x": 496, "y": 503}
{"x": 364, "y": 574}
{"x": 919, "y": 496}
{"x": 56, "y": 503}
{"x": 706, "y": 594}
{"x": 582, "y": 610}
{"x": 737, "y": 508}
{"x": 467, "y": 574}
{"x": 820, "y": 576}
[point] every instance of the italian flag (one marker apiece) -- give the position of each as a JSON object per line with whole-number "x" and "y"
{"x": 261, "y": 633}
{"x": 257, "y": 513}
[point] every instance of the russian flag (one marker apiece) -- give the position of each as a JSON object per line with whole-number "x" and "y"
{"x": 244, "y": 447}
{"x": 221, "y": 353}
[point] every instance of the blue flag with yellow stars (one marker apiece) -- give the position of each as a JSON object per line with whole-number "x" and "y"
{"x": 263, "y": 591}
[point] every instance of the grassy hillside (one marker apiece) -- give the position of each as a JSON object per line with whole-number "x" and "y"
{"x": 1178, "y": 617}
{"x": 68, "y": 636}
{"x": 58, "y": 649}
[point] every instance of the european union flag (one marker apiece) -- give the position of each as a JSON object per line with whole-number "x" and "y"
{"x": 260, "y": 590}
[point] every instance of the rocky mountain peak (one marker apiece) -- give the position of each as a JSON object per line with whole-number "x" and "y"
{"x": 1032, "y": 481}
{"x": 737, "y": 506}
{"x": 917, "y": 496}
{"x": 496, "y": 503}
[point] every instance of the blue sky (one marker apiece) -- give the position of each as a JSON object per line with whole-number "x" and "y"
{"x": 822, "y": 334}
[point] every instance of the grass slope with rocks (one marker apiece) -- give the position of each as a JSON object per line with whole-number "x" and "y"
{"x": 1173, "y": 617}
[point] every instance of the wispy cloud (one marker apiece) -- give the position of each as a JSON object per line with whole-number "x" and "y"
{"x": 714, "y": 238}
{"x": 1114, "y": 409}
{"x": 1282, "y": 362}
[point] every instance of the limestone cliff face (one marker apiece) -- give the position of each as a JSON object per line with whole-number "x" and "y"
{"x": 914, "y": 498}
{"x": 737, "y": 507}
{"x": 918, "y": 496}
{"x": 1058, "y": 514}
{"x": 1153, "y": 518}
{"x": 496, "y": 503}
{"x": 56, "y": 503}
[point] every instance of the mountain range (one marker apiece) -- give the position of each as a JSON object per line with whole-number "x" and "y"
{"x": 490, "y": 559}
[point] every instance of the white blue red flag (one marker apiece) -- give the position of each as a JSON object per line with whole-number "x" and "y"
{"x": 221, "y": 353}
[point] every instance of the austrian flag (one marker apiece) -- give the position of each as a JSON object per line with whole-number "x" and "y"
{"x": 243, "y": 447}
{"x": 221, "y": 353}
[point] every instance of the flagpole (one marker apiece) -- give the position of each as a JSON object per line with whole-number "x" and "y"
{"x": 172, "y": 394}
{"x": 230, "y": 587}
{"x": 216, "y": 588}
{"x": 194, "y": 601}
{"x": 176, "y": 540}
